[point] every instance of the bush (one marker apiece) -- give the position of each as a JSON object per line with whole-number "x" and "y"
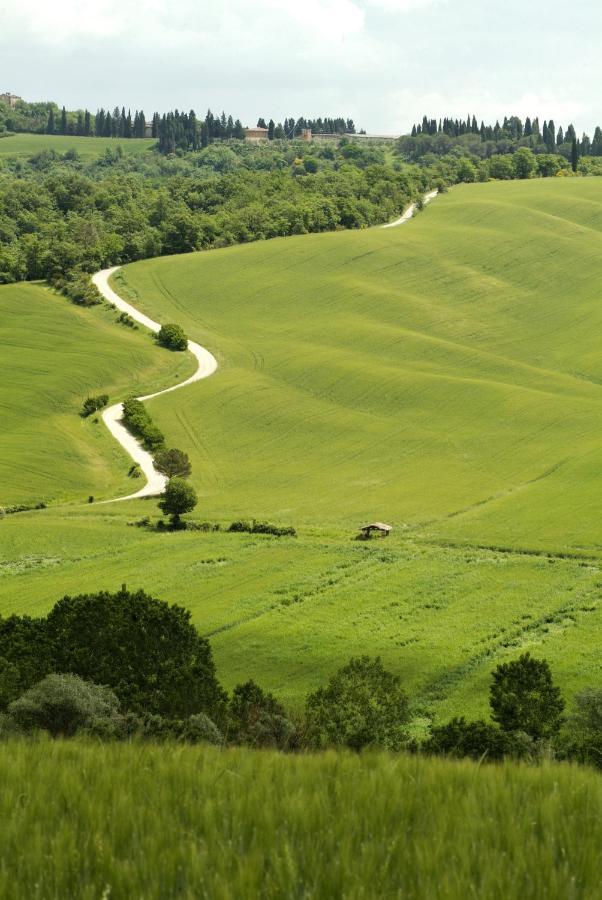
{"x": 582, "y": 738}
{"x": 93, "y": 404}
{"x": 523, "y": 697}
{"x": 262, "y": 528}
{"x": 199, "y": 729}
{"x": 78, "y": 288}
{"x": 173, "y": 337}
{"x": 363, "y": 705}
{"x": 477, "y": 740}
{"x": 256, "y": 719}
{"x": 138, "y": 421}
{"x": 62, "y": 704}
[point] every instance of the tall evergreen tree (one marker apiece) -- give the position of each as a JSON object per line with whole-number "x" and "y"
{"x": 63, "y": 127}
{"x": 87, "y": 124}
{"x": 574, "y": 154}
{"x": 50, "y": 125}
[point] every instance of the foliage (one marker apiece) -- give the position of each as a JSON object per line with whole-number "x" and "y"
{"x": 60, "y": 216}
{"x": 478, "y": 740}
{"x": 581, "y": 738}
{"x": 174, "y": 463}
{"x": 25, "y": 656}
{"x": 255, "y": 527}
{"x": 523, "y": 697}
{"x": 179, "y": 498}
{"x": 173, "y": 337}
{"x": 93, "y": 404}
{"x": 138, "y": 421}
{"x": 256, "y": 719}
{"x": 362, "y": 706}
{"x": 62, "y": 705}
{"x": 146, "y": 651}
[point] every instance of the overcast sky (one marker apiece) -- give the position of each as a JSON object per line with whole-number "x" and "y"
{"x": 382, "y": 62}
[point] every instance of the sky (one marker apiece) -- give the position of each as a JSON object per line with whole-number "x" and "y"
{"x": 384, "y": 63}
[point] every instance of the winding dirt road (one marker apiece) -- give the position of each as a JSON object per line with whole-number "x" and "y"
{"x": 207, "y": 364}
{"x": 410, "y": 211}
{"x": 112, "y": 416}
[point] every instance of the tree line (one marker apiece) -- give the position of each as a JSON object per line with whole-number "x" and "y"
{"x": 174, "y": 130}
{"x": 126, "y": 665}
{"x": 60, "y": 215}
{"x": 440, "y": 137}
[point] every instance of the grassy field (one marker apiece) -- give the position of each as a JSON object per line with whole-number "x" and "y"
{"x": 88, "y": 148}
{"x": 89, "y": 821}
{"x": 53, "y": 355}
{"x": 445, "y": 377}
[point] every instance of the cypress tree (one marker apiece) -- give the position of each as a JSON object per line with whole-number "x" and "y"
{"x": 87, "y": 124}
{"x": 271, "y": 127}
{"x": 574, "y": 154}
{"x": 63, "y": 128}
{"x": 50, "y": 126}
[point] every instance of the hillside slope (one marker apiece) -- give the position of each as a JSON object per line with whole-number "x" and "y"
{"x": 447, "y": 374}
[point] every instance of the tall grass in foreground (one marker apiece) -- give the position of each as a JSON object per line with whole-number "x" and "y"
{"x": 140, "y": 821}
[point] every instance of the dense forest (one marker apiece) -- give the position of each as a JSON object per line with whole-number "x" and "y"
{"x": 60, "y": 214}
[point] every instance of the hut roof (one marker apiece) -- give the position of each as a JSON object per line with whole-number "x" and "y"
{"x": 380, "y": 526}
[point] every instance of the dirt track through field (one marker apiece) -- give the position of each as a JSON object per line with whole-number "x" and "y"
{"x": 112, "y": 416}
{"x": 207, "y": 365}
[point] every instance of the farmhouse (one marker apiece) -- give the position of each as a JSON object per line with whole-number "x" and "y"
{"x": 10, "y": 99}
{"x": 256, "y": 134}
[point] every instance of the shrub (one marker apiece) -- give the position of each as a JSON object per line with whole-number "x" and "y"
{"x": 523, "y": 697}
{"x": 262, "y": 528}
{"x": 62, "y": 704}
{"x": 477, "y": 740}
{"x": 582, "y": 738}
{"x": 179, "y": 498}
{"x": 25, "y": 656}
{"x": 363, "y": 705}
{"x": 199, "y": 729}
{"x": 138, "y": 421}
{"x": 256, "y": 719}
{"x": 93, "y": 404}
{"x": 173, "y": 337}
{"x": 78, "y": 288}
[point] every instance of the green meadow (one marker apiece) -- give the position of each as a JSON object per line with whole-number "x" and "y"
{"x": 87, "y": 147}
{"x": 445, "y": 376}
{"x": 53, "y": 356}
{"x": 120, "y": 821}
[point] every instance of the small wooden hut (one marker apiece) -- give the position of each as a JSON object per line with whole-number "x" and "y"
{"x": 374, "y": 528}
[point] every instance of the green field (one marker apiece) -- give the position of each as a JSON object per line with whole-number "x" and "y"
{"x": 25, "y": 145}
{"x": 54, "y": 355}
{"x": 122, "y": 821}
{"x": 445, "y": 377}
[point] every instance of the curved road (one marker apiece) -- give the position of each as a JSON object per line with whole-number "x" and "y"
{"x": 207, "y": 364}
{"x": 410, "y": 211}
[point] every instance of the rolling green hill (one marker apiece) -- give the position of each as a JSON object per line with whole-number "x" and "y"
{"x": 171, "y": 821}
{"x": 53, "y": 355}
{"x": 446, "y": 377}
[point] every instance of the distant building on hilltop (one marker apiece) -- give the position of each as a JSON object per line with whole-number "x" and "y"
{"x": 148, "y": 129}
{"x": 10, "y": 99}
{"x": 256, "y": 134}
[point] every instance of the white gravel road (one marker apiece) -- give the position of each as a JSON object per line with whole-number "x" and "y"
{"x": 112, "y": 416}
